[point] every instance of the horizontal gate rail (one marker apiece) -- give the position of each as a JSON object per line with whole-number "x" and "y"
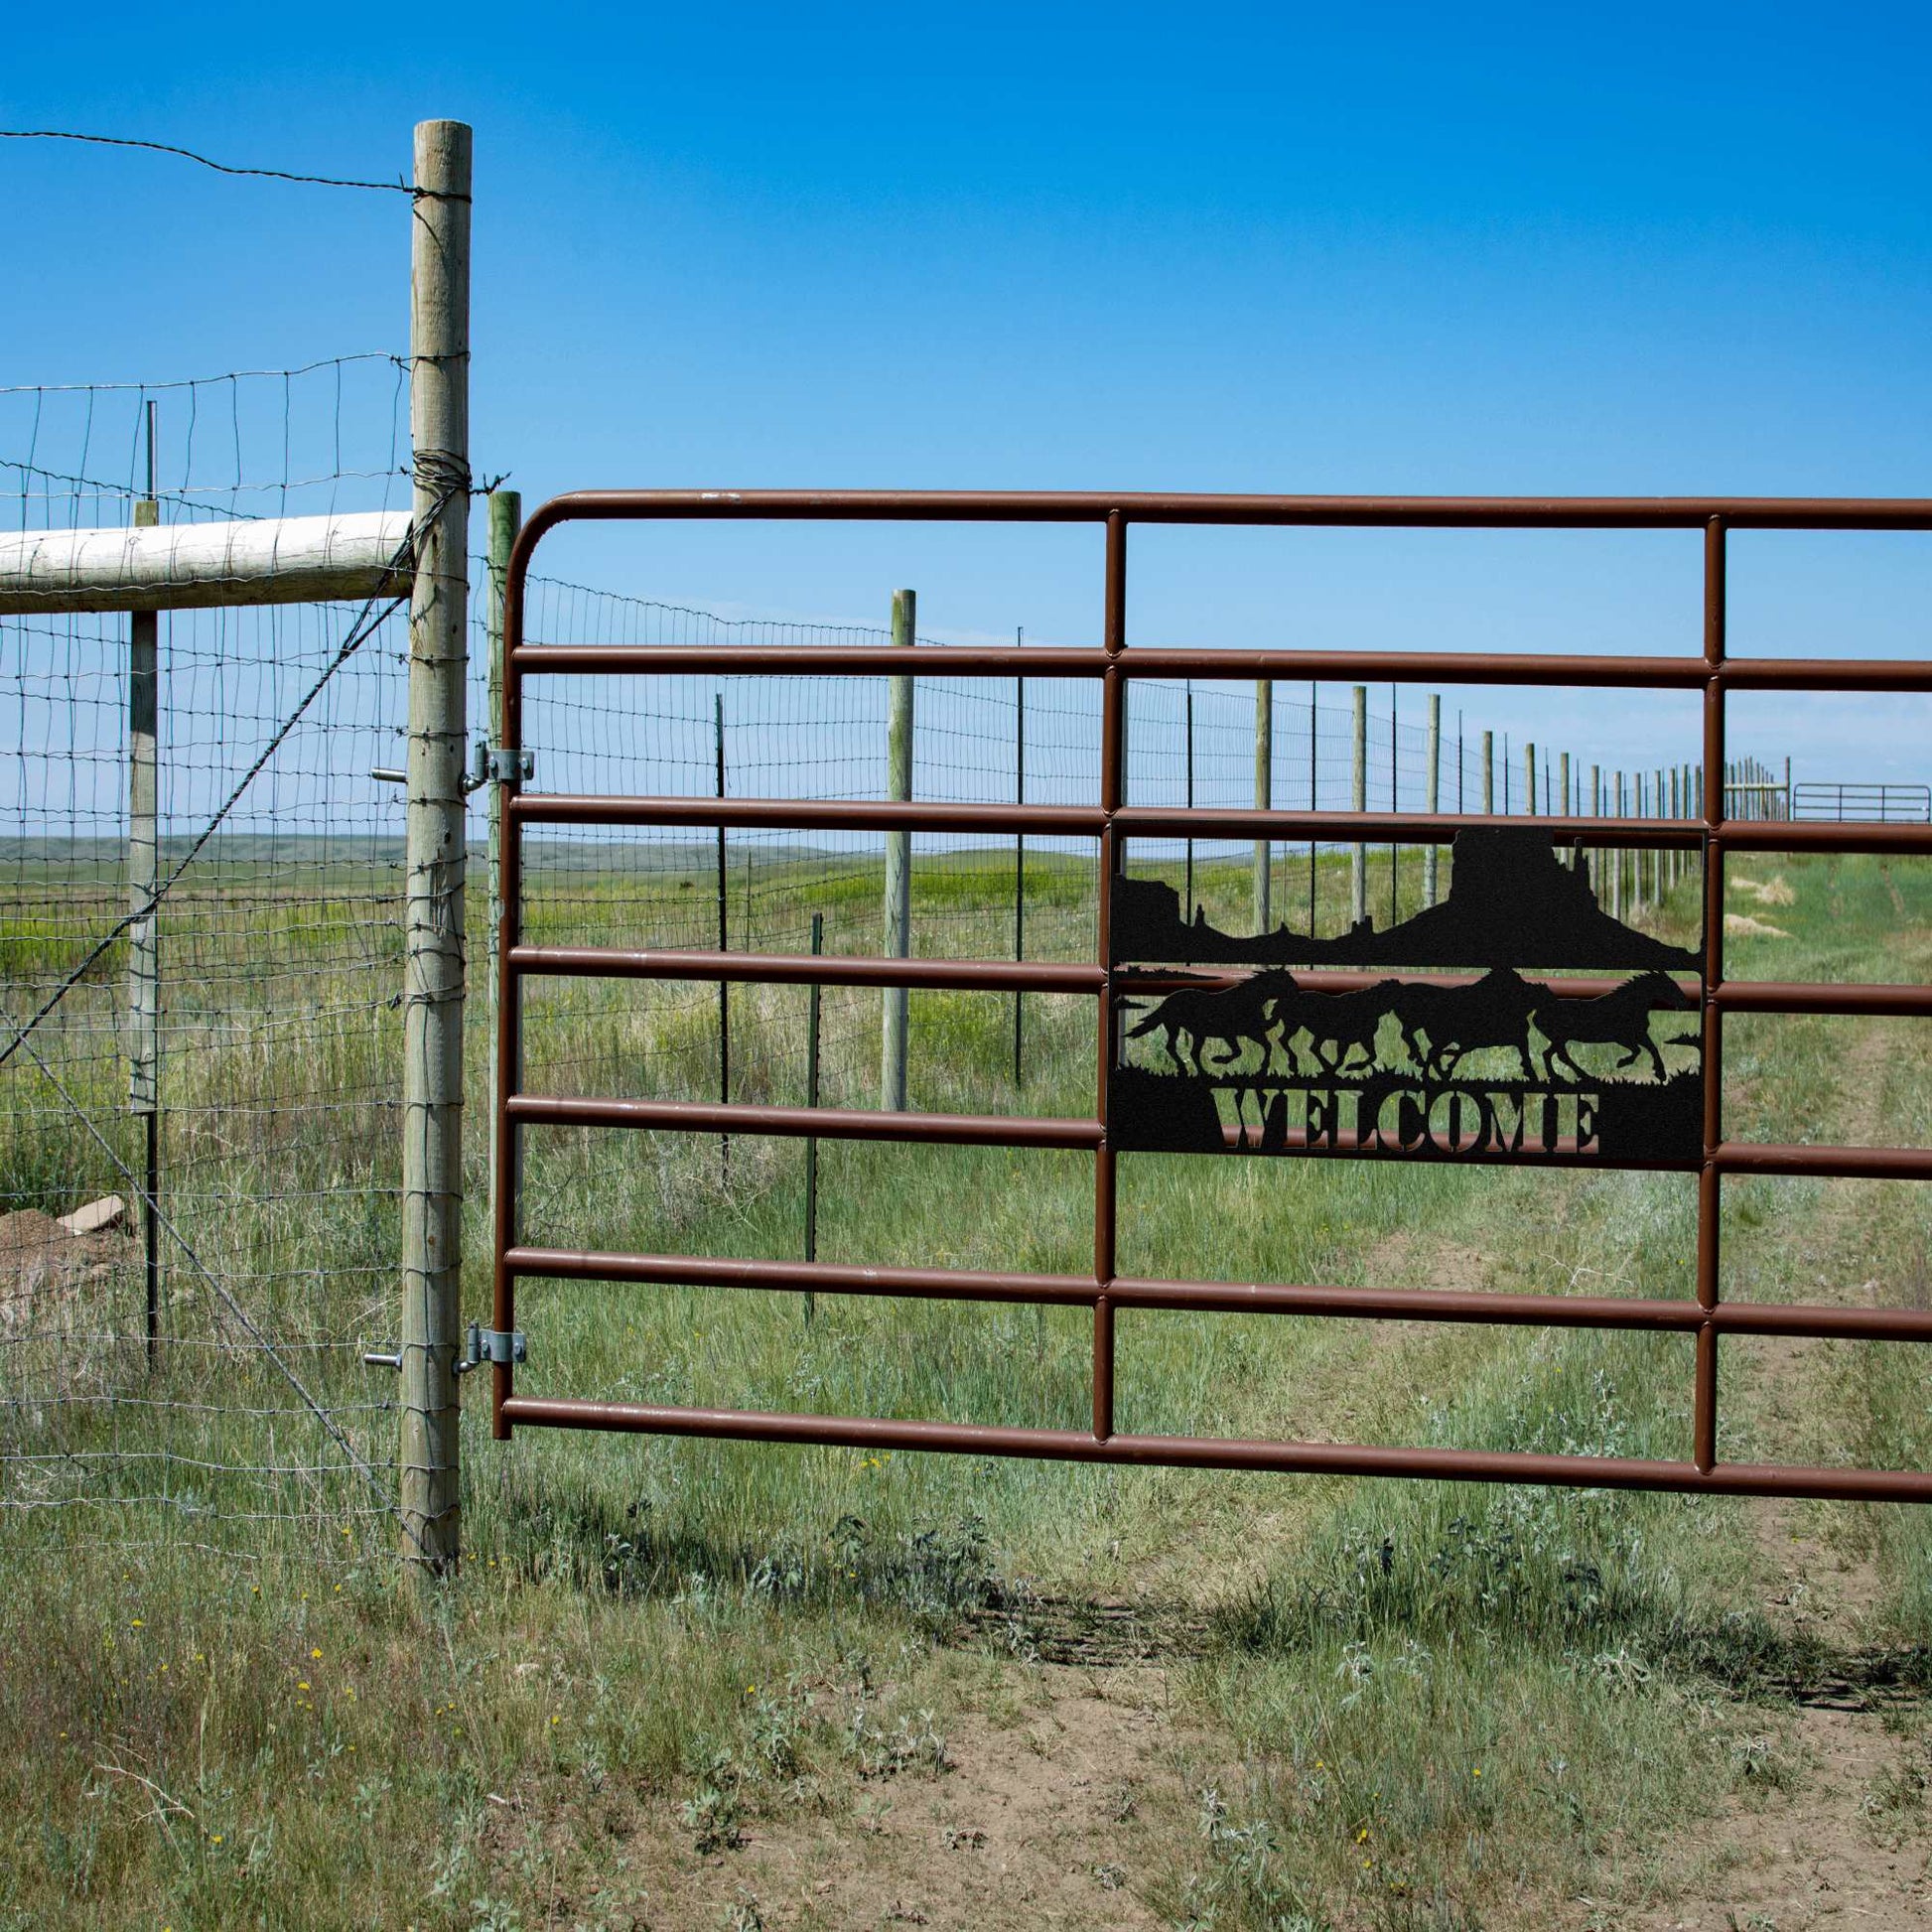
{"x": 1145, "y": 661}
{"x": 1110, "y": 822}
{"x": 1873, "y": 999}
{"x": 1199, "y": 1452}
{"x": 1227, "y": 1298}
{"x": 1236, "y": 825}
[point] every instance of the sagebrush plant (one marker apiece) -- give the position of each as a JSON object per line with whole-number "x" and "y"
{"x": 1438, "y": 1697}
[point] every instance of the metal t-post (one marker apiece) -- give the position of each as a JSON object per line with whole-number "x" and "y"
{"x": 432, "y": 971}
{"x": 899, "y": 862}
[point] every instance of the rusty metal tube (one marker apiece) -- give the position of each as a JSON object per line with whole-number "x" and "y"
{"x": 1199, "y": 1452}
{"x": 827, "y": 1123}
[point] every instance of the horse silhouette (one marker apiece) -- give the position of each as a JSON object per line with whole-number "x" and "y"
{"x": 1233, "y": 1018}
{"x": 1617, "y": 1018}
{"x": 1338, "y": 1025}
{"x": 1442, "y": 1024}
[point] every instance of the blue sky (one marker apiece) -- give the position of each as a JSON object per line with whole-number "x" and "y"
{"x": 1636, "y": 249}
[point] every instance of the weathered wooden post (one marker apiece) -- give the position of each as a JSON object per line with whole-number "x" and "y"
{"x": 1621, "y": 856}
{"x": 723, "y": 894}
{"x": 1431, "y": 795}
{"x": 1659, "y": 870}
{"x": 1020, "y": 855}
{"x": 432, "y": 968}
{"x": 1358, "y": 799}
{"x": 1395, "y": 802}
{"x": 1529, "y": 779}
{"x": 1314, "y": 788}
{"x": 143, "y": 875}
{"x": 1488, "y": 774}
{"x": 899, "y": 862}
{"x": 1592, "y": 860}
{"x": 506, "y": 520}
{"x": 1187, "y": 720}
{"x": 1673, "y": 862}
{"x": 1264, "y": 799}
{"x": 811, "y": 1100}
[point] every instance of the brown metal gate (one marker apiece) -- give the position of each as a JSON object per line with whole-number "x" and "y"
{"x": 1111, "y": 822}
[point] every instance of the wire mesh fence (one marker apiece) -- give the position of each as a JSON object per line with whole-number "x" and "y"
{"x": 192, "y": 1369}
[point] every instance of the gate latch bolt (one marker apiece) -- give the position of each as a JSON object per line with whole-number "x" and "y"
{"x": 491, "y": 765}
{"x": 488, "y": 1346}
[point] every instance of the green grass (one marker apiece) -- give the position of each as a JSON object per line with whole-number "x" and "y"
{"x": 747, "y": 1633}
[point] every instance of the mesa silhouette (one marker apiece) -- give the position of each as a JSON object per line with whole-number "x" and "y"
{"x": 1510, "y": 904}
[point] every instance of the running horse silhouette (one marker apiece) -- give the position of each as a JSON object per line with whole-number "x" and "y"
{"x": 1233, "y": 1018}
{"x": 1338, "y": 1025}
{"x": 1442, "y": 1024}
{"x": 1616, "y": 1018}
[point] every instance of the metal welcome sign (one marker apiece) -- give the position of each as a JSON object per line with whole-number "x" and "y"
{"x": 1469, "y": 1048}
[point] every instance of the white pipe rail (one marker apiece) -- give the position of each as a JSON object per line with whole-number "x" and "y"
{"x": 189, "y": 566}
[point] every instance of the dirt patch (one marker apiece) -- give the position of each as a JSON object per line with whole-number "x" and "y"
{"x": 1398, "y": 1260}
{"x": 1845, "y": 1842}
{"x": 43, "y": 1266}
{"x": 1035, "y": 1824}
{"x": 1823, "y": 1853}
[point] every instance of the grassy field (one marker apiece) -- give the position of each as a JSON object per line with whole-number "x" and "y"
{"x": 684, "y": 1684}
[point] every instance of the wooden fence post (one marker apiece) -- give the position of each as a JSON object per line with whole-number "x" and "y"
{"x": 722, "y": 886}
{"x": 899, "y": 862}
{"x": 1264, "y": 798}
{"x": 1314, "y": 788}
{"x": 1188, "y": 774}
{"x": 433, "y": 969}
{"x": 143, "y": 875}
{"x": 1019, "y": 854}
{"x": 812, "y": 999}
{"x": 1433, "y": 791}
{"x": 1358, "y": 799}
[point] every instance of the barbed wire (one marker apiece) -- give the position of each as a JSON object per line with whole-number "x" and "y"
{"x": 397, "y": 186}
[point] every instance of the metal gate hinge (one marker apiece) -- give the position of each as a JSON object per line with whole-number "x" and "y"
{"x": 491, "y": 765}
{"x": 491, "y": 1345}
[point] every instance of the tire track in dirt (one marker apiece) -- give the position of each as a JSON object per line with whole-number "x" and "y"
{"x": 1846, "y": 1842}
